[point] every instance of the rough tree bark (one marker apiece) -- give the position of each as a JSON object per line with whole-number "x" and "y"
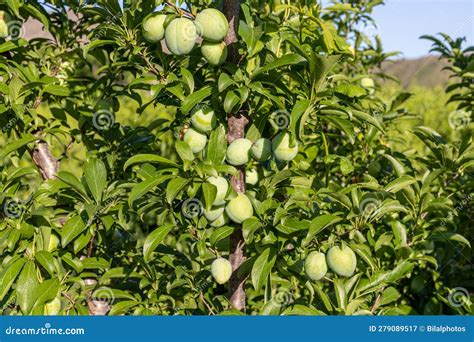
{"x": 49, "y": 167}
{"x": 236, "y": 129}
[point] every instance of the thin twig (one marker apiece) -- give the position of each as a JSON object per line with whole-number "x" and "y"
{"x": 181, "y": 11}
{"x": 201, "y": 296}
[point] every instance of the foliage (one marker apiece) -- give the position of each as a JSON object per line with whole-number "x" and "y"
{"x": 130, "y": 217}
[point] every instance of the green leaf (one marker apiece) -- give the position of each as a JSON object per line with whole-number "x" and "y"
{"x": 12, "y": 45}
{"x": 318, "y": 224}
{"x": 14, "y": 5}
{"x": 399, "y": 183}
{"x": 94, "y": 44}
{"x": 8, "y": 276}
{"x": 154, "y": 239}
{"x": 95, "y": 263}
{"x": 148, "y": 158}
{"x": 340, "y": 292}
{"x": 217, "y": 146}
{"x": 368, "y": 118}
{"x": 174, "y": 188}
{"x": 45, "y": 292}
{"x": 288, "y": 59}
{"x": 17, "y": 144}
{"x": 26, "y": 287}
{"x": 122, "y": 307}
{"x": 231, "y": 101}
{"x": 224, "y": 82}
{"x": 397, "y": 166}
{"x": 73, "y": 182}
{"x": 389, "y": 295}
{"x": 184, "y": 150}
{"x": 96, "y": 177}
{"x": 262, "y": 267}
{"x": 57, "y": 90}
{"x": 209, "y": 191}
{"x": 144, "y": 187}
{"x": 350, "y": 90}
{"x": 71, "y": 229}
{"x": 220, "y": 234}
{"x": 46, "y": 259}
{"x": 192, "y": 100}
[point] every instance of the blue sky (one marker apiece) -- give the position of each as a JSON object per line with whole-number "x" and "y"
{"x": 402, "y": 22}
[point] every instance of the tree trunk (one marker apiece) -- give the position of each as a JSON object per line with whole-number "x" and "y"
{"x": 236, "y": 129}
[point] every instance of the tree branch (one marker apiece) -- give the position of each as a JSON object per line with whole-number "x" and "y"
{"x": 236, "y": 123}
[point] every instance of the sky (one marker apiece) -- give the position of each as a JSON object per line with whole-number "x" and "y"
{"x": 402, "y": 22}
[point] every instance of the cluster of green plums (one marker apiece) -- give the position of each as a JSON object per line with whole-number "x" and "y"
{"x": 341, "y": 259}
{"x": 238, "y": 208}
{"x": 239, "y": 152}
{"x": 181, "y": 35}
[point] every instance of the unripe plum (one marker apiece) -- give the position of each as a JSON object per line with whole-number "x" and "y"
{"x": 153, "y": 28}
{"x": 368, "y": 83}
{"x": 251, "y": 177}
{"x": 239, "y": 208}
{"x": 212, "y": 25}
{"x": 180, "y": 36}
{"x": 220, "y": 221}
{"x": 222, "y": 187}
{"x": 238, "y": 152}
{"x": 261, "y": 149}
{"x": 195, "y": 140}
{"x": 52, "y": 308}
{"x": 214, "y": 213}
{"x": 203, "y": 119}
{"x": 282, "y": 149}
{"x": 221, "y": 270}
{"x": 315, "y": 265}
{"x": 214, "y": 53}
{"x": 342, "y": 260}
{"x": 5, "y": 18}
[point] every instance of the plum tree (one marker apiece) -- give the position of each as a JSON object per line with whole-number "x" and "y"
{"x": 203, "y": 119}
{"x": 315, "y": 265}
{"x": 238, "y": 152}
{"x": 221, "y": 270}
{"x": 195, "y": 140}
{"x": 212, "y": 25}
{"x": 180, "y": 36}
{"x": 214, "y": 53}
{"x": 239, "y": 208}
{"x": 261, "y": 149}
{"x": 222, "y": 186}
{"x": 111, "y": 141}
{"x": 153, "y": 27}
{"x": 342, "y": 260}
{"x": 283, "y": 149}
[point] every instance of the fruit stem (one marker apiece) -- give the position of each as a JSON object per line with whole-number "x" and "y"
{"x": 181, "y": 11}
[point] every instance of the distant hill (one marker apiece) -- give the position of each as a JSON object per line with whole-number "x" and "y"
{"x": 425, "y": 71}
